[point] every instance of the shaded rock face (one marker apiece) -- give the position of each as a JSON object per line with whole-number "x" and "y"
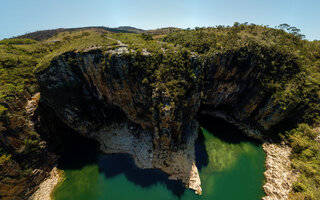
{"x": 233, "y": 92}
{"x": 93, "y": 90}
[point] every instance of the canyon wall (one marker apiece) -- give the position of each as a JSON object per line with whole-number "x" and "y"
{"x": 109, "y": 95}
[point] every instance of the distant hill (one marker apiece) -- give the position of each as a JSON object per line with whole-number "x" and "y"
{"x": 129, "y": 29}
{"x": 45, "y": 34}
{"x": 162, "y": 31}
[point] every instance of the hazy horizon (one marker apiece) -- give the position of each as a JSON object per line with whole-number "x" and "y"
{"x": 28, "y": 16}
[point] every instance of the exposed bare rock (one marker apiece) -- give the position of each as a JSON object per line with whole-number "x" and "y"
{"x": 46, "y": 187}
{"x": 14, "y": 185}
{"x": 32, "y": 104}
{"x": 318, "y": 131}
{"x": 279, "y": 175}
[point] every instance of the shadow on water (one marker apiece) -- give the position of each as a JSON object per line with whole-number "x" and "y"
{"x": 221, "y": 129}
{"x": 201, "y": 153}
{"x": 81, "y": 151}
{"x": 225, "y": 131}
{"x": 113, "y": 165}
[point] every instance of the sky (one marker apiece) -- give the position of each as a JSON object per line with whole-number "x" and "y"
{"x": 22, "y": 16}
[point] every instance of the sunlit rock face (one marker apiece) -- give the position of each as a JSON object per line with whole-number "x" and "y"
{"x": 90, "y": 91}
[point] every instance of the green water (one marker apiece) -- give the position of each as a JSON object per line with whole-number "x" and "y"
{"x": 228, "y": 171}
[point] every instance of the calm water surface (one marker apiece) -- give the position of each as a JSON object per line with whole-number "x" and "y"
{"x": 230, "y": 169}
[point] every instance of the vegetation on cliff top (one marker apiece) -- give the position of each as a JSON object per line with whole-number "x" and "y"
{"x": 290, "y": 65}
{"x": 291, "y": 68}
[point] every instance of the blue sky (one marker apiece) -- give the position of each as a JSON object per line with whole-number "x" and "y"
{"x": 22, "y": 16}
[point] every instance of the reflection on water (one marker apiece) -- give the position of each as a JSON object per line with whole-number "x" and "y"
{"x": 231, "y": 168}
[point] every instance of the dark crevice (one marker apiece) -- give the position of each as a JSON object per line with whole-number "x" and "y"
{"x": 74, "y": 151}
{"x": 201, "y": 153}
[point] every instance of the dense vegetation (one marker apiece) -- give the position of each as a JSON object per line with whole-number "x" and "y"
{"x": 290, "y": 64}
{"x": 306, "y": 160}
{"x": 291, "y": 68}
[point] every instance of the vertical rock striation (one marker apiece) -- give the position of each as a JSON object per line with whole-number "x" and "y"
{"x": 234, "y": 91}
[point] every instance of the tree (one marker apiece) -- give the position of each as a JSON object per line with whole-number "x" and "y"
{"x": 146, "y": 37}
{"x": 292, "y": 30}
{"x": 236, "y": 24}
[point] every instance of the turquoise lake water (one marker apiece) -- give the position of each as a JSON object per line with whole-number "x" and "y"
{"x": 231, "y": 168}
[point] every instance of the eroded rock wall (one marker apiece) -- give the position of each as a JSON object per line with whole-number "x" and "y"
{"x": 91, "y": 91}
{"x": 233, "y": 91}
{"x": 21, "y": 174}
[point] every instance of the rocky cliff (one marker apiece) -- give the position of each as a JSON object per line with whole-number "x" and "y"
{"x": 21, "y": 176}
{"x": 92, "y": 91}
{"x": 124, "y": 99}
{"x": 235, "y": 89}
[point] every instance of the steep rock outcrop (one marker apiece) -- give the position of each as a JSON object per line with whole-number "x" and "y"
{"x": 90, "y": 91}
{"x": 115, "y": 97}
{"x": 21, "y": 175}
{"x": 234, "y": 90}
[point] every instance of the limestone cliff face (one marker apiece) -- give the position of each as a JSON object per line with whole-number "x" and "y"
{"x": 107, "y": 96}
